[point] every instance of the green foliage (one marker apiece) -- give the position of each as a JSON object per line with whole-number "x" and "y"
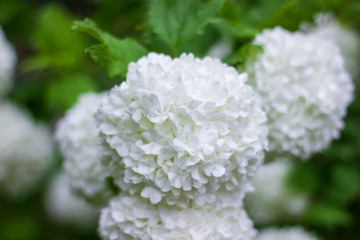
{"x": 327, "y": 215}
{"x": 178, "y": 21}
{"x": 305, "y": 177}
{"x": 344, "y": 184}
{"x": 63, "y": 93}
{"x": 112, "y": 54}
{"x": 56, "y": 47}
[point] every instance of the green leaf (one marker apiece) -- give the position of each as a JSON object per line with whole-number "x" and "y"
{"x": 62, "y": 93}
{"x": 305, "y": 177}
{"x": 112, "y": 54}
{"x": 178, "y": 21}
{"x": 344, "y": 185}
{"x": 327, "y": 215}
{"x": 57, "y": 48}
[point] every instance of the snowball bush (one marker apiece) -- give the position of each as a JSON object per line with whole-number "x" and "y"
{"x": 7, "y": 63}
{"x": 66, "y": 208}
{"x": 273, "y": 199}
{"x": 347, "y": 39}
{"x": 305, "y": 90}
{"x": 182, "y": 129}
{"x": 26, "y": 151}
{"x": 133, "y": 217}
{"x": 294, "y": 233}
{"x": 77, "y": 136}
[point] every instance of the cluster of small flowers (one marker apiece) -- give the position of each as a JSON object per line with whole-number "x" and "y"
{"x": 274, "y": 199}
{"x": 25, "y": 151}
{"x": 183, "y": 137}
{"x": 305, "y": 90}
{"x": 293, "y": 233}
{"x": 64, "y": 207}
{"x": 77, "y": 136}
{"x": 7, "y": 63}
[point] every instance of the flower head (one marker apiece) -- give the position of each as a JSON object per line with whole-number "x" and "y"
{"x": 294, "y": 233}
{"x": 273, "y": 199}
{"x": 7, "y": 63}
{"x": 66, "y": 208}
{"x": 182, "y": 129}
{"x": 305, "y": 90}
{"x": 26, "y": 151}
{"x": 78, "y": 138}
{"x": 133, "y": 217}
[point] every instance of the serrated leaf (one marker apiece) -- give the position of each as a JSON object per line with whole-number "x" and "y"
{"x": 178, "y": 21}
{"x": 113, "y": 55}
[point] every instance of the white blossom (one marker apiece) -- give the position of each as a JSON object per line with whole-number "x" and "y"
{"x": 273, "y": 199}
{"x": 133, "y": 217}
{"x": 293, "y": 233}
{"x": 65, "y": 207}
{"x": 305, "y": 90}
{"x": 347, "y": 39}
{"x": 26, "y": 151}
{"x": 182, "y": 129}
{"x": 77, "y": 136}
{"x": 7, "y": 63}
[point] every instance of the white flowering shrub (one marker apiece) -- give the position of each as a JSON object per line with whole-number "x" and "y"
{"x": 293, "y": 233}
{"x": 133, "y": 217}
{"x": 77, "y": 136}
{"x": 347, "y": 39}
{"x": 305, "y": 90}
{"x": 273, "y": 199}
{"x": 7, "y": 63}
{"x": 64, "y": 207}
{"x": 26, "y": 151}
{"x": 182, "y": 129}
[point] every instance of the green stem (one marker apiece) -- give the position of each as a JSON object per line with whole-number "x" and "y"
{"x": 174, "y": 51}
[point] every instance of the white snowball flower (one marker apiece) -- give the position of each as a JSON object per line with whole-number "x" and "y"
{"x": 273, "y": 199}
{"x": 133, "y": 217}
{"x": 305, "y": 90}
{"x": 26, "y": 151}
{"x": 347, "y": 39}
{"x": 77, "y": 136}
{"x": 294, "y": 233}
{"x": 183, "y": 129}
{"x": 64, "y": 207}
{"x": 7, "y": 63}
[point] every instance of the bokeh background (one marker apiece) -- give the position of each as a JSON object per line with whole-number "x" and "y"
{"x": 53, "y": 70}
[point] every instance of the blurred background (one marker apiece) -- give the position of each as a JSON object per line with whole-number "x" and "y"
{"x": 53, "y": 70}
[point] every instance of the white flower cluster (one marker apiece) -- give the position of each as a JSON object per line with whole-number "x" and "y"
{"x": 294, "y": 233}
{"x": 347, "y": 39}
{"x": 183, "y": 129}
{"x": 26, "y": 151}
{"x": 273, "y": 199}
{"x": 66, "y": 208}
{"x": 132, "y": 217}
{"x": 305, "y": 90}
{"x": 7, "y": 63}
{"x": 77, "y": 136}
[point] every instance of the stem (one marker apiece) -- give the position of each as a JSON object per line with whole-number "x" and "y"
{"x": 174, "y": 51}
